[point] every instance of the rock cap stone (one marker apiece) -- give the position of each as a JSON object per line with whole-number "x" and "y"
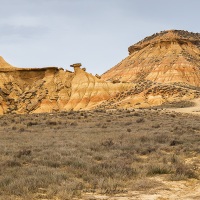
{"x": 76, "y": 65}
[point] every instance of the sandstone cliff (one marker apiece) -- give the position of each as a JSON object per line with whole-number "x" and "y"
{"x": 166, "y": 57}
{"x": 50, "y": 89}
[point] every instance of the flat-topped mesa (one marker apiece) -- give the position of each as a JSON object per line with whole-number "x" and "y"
{"x": 6, "y": 67}
{"x": 165, "y": 38}
{"x": 30, "y": 69}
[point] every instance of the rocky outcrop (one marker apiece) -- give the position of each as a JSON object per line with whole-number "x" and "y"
{"x": 164, "y": 67}
{"x": 166, "y": 57}
{"x": 36, "y": 90}
{"x": 4, "y": 65}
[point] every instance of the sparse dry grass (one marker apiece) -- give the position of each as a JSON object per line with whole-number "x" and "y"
{"x": 178, "y": 104}
{"x": 64, "y": 154}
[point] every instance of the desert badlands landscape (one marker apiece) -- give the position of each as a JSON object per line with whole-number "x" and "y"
{"x": 131, "y": 133}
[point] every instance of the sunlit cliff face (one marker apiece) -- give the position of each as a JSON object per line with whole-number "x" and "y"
{"x": 165, "y": 57}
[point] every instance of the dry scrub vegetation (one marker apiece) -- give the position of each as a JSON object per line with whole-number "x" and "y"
{"x": 177, "y": 104}
{"x": 62, "y": 155}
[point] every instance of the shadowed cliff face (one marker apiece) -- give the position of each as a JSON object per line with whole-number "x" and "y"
{"x": 166, "y": 57}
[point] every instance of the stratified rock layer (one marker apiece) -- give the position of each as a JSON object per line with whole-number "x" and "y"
{"x": 164, "y": 67}
{"x": 50, "y": 89}
{"x": 165, "y": 57}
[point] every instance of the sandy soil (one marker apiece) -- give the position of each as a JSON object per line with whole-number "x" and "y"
{"x": 191, "y": 110}
{"x": 172, "y": 190}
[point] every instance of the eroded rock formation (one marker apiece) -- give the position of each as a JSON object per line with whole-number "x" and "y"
{"x": 146, "y": 94}
{"x": 50, "y": 89}
{"x": 164, "y": 67}
{"x": 166, "y": 57}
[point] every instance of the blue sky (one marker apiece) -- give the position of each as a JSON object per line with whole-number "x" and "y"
{"x": 97, "y": 33}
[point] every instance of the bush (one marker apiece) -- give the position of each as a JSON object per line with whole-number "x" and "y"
{"x": 140, "y": 120}
{"x": 154, "y": 170}
{"x": 51, "y": 123}
{"x": 128, "y": 130}
{"x": 25, "y": 152}
{"x": 184, "y": 171}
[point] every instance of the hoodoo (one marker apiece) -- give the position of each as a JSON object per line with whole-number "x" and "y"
{"x": 166, "y": 57}
{"x": 76, "y": 66}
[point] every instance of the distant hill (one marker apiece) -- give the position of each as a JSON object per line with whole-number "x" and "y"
{"x": 165, "y": 57}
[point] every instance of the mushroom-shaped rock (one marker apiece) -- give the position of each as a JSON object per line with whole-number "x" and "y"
{"x": 76, "y": 66}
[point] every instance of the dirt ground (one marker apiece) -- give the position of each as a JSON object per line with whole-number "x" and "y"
{"x": 147, "y": 154}
{"x": 184, "y": 190}
{"x": 190, "y": 110}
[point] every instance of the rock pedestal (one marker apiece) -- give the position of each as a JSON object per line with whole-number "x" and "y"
{"x": 77, "y": 67}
